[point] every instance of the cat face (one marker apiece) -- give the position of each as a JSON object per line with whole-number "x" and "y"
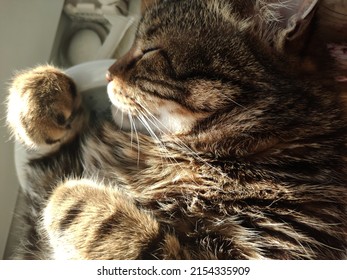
{"x": 162, "y": 82}
{"x": 191, "y": 62}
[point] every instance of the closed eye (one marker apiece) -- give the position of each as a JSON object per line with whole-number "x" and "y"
{"x": 150, "y": 50}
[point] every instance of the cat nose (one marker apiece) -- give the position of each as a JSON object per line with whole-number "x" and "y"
{"x": 116, "y": 69}
{"x": 125, "y": 63}
{"x": 109, "y": 76}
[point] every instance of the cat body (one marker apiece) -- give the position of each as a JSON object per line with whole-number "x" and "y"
{"x": 221, "y": 145}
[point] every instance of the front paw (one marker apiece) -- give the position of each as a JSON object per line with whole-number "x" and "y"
{"x": 85, "y": 220}
{"x": 44, "y": 107}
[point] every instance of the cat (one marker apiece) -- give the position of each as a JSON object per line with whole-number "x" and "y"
{"x": 221, "y": 143}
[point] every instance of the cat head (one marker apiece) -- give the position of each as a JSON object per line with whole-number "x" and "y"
{"x": 201, "y": 65}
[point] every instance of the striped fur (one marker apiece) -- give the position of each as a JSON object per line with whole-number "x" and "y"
{"x": 221, "y": 145}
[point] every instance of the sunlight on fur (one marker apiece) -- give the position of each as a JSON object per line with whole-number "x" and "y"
{"x": 226, "y": 139}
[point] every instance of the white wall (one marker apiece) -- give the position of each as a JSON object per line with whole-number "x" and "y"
{"x": 27, "y": 31}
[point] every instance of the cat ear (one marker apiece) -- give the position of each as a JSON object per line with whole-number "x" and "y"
{"x": 286, "y": 24}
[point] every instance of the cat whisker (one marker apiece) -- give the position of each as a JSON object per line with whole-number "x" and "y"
{"x": 144, "y": 122}
{"x": 122, "y": 120}
{"x": 233, "y": 101}
{"x": 154, "y": 121}
{"x": 3, "y": 120}
{"x": 145, "y": 118}
{"x": 170, "y": 158}
{"x": 131, "y": 128}
{"x": 176, "y": 140}
{"x": 138, "y": 141}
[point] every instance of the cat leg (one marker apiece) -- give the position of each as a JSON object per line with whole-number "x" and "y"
{"x": 44, "y": 109}
{"x": 84, "y": 220}
{"x": 44, "y": 112}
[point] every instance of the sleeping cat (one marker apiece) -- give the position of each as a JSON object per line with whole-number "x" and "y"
{"x": 222, "y": 144}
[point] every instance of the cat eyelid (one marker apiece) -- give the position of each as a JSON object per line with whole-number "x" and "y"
{"x": 151, "y": 49}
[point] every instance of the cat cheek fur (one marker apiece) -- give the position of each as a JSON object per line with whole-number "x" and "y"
{"x": 149, "y": 112}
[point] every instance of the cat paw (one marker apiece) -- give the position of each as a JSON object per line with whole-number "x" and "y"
{"x": 85, "y": 220}
{"x": 43, "y": 108}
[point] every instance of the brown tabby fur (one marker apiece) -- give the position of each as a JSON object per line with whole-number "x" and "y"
{"x": 235, "y": 148}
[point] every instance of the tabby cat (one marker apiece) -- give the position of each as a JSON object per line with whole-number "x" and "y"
{"x": 224, "y": 141}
